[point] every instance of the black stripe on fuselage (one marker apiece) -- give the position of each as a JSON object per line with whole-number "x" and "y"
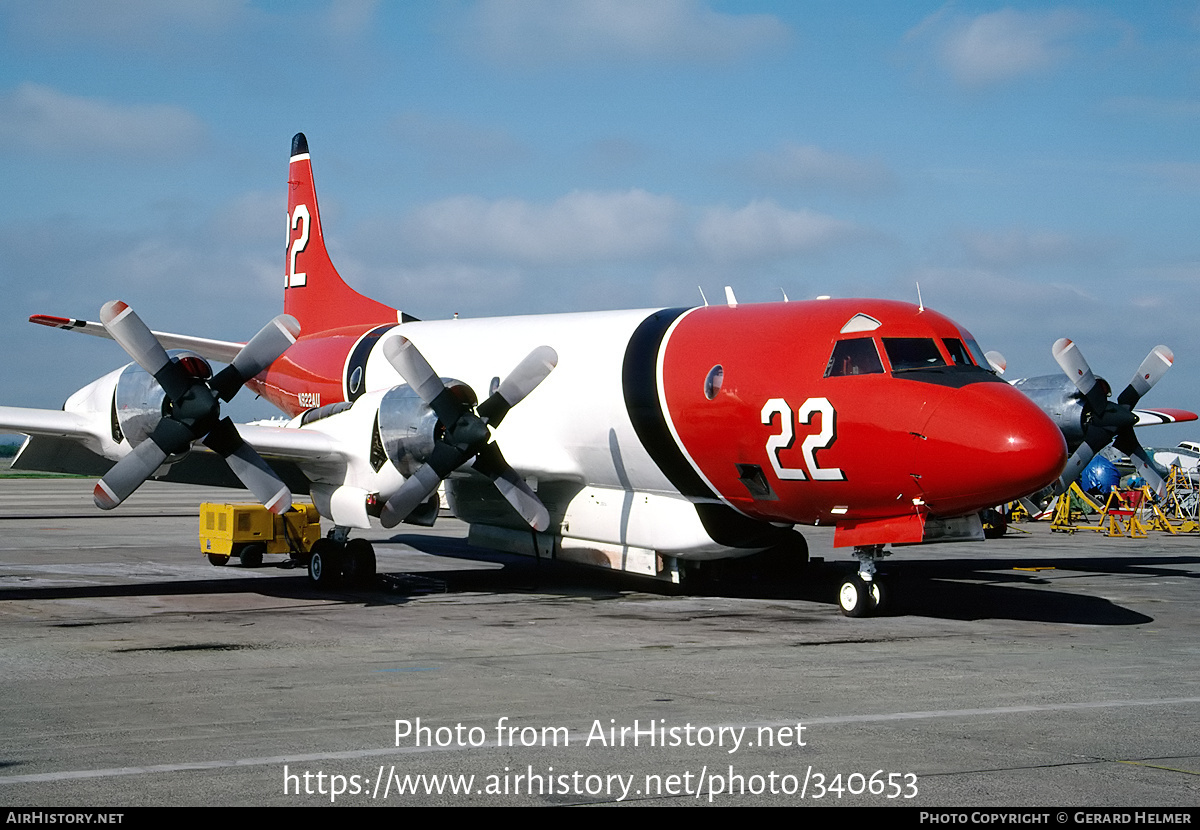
{"x": 639, "y": 380}
{"x": 354, "y": 387}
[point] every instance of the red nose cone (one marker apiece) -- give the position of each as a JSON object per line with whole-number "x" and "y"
{"x": 986, "y": 444}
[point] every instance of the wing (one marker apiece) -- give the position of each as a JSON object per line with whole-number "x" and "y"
{"x": 68, "y": 442}
{"x": 223, "y": 351}
{"x": 59, "y": 442}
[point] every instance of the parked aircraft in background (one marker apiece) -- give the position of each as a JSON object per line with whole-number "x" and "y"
{"x": 646, "y": 440}
{"x": 1080, "y": 405}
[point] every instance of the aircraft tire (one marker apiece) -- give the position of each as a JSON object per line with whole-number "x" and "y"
{"x": 217, "y": 559}
{"x": 879, "y": 597}
{"x": 251, "y": 556}
{"x": 325, "y": 563}
{"x": 359, "y": 561}
{"x": 855, "y": 598}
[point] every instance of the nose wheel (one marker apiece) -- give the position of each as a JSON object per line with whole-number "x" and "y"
{"x": 864, "y": 595}
{"x": 859, "y": 598}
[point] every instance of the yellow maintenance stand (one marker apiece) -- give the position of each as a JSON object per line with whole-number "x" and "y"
{"x": 249, "y": 531}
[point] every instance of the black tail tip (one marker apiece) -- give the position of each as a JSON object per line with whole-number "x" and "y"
{"x": 299, "y": 144}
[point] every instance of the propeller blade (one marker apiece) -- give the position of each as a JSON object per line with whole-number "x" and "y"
{"x": 1149, "y": 471}
{"x": 128, "y": 474}
{"x": 1128, "y": 443}
{"x": 1149, "y": 373}
{"x": 414, "y": 368}
{"x": 518, "y": 494}
{"x": 140, "y": 343}
{"x": 411, "y": 495}
{"x": 466, "y": 431}
{"x": 1073, "y": 363}
{"x": 249, "y": 467}
{"x": 1075, "y": 464}
{"x": 522, "y": 380}
{"x": 260, "y": 479}
{"x": 491, "y": 462}
{"x": 1032, "y": 509}
{"x": 263, "y": 349}
{"x": 408, "y": 361}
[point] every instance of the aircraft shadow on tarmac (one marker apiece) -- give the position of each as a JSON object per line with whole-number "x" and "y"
{"x": 966, "y": 588}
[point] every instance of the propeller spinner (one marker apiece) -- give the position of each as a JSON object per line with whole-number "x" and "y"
{"x": 1107, "y": 421}
{"x": 467, "y": 432}
{"x": 194, "y": 413}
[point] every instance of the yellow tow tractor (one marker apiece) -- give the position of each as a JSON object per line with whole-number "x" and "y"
{"x": 248, "y": 531}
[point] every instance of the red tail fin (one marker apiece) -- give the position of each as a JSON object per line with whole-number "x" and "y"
{"x": 314, "y": 293}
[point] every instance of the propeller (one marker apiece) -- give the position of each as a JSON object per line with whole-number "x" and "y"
{"x": 467, "y": 431}
{"x": 194, "y": 412}
{"x": 1106, "y": 421}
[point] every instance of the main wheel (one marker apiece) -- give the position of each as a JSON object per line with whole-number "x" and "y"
{"x": 360, "y": 561}
{"x": 251, "y": 556}
{"x": 217, "y": 559}
{"x": 857, "y": 598}
{"x": 325, "y": 563}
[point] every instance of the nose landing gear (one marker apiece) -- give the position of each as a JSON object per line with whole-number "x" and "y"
{"x": 863, "y": 595}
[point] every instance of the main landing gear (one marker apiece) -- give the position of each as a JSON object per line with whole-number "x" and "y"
{"x": 863, "y": 594}
{"x": 336, "y": 558}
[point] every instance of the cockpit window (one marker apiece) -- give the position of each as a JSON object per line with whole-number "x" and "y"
{"x": 908, "y": 353}
{"x": 854, "y": 357}
{"x": 977, "y": 353}
{"x": 958, "y": 353}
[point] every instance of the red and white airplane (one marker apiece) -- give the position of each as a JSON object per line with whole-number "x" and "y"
{"x": 640, "y": 440}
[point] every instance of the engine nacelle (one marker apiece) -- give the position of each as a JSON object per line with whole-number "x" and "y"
{"x": 408, "y": 428}
{"x": 1061, "y": 401}
{"x": 139, "y": 403}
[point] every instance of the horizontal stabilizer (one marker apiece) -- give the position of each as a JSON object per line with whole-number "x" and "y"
{"x": 222, "y": 351}
{"x": 1153, "y": 417}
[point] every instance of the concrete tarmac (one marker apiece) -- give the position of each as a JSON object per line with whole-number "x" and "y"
{"x": 1038, "y": 670}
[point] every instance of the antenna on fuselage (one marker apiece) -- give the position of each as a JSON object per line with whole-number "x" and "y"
{"x": 730, "y": 300}
{"x": 920, "y": 304}
{"x": 701, "y": 290}
{"x": 784, "y": 293}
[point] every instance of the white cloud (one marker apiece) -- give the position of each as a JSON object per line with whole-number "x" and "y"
{"x": 537, "y": 31}
{"x": 1000, "y": 46}
{"x": 809, "y": 165}
{"x": 43, "y": 119}
{"x": 581, "y": 226}
{"x": 763, "y": 229}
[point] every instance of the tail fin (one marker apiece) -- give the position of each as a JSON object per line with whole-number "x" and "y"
{"x": 314, "y": 293}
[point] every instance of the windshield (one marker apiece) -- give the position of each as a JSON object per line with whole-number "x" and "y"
{"x": 908, "y": 353}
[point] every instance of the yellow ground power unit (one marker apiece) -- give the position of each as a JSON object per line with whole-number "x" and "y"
{"x": 248, "y": 531}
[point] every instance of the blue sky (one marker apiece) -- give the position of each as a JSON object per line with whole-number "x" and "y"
{"x": 1036, "y": 168}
